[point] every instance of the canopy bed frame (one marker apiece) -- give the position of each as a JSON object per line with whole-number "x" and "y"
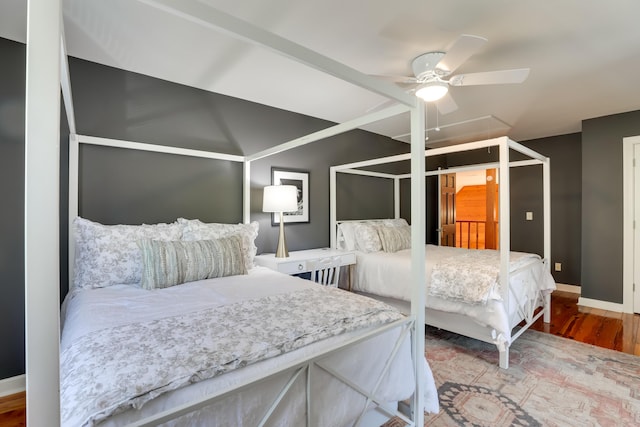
{"x": 46, "y": 72}
{"x": 460, "y": 323}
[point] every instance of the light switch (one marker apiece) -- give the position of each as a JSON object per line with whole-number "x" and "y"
{"x": 529, "y": 216}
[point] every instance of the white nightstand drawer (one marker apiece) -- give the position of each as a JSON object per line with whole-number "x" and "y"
{"x": 301, "y": 261}
{"x": 292, "y": 267}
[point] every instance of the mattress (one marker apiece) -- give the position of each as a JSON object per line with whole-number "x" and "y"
{"x": 389, "y": 275}
{"x": 89, "y": 312}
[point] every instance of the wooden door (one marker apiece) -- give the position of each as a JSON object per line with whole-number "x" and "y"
{"x": 448, "y": 209}
{"x": 491, "y": 221}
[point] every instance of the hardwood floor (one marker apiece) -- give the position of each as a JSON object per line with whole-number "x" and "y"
{"x": 12, "y": 410}
{"x": 616, "y": 331}
{"x": 608, "y": 329}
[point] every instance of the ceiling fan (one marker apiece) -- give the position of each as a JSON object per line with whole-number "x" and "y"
{"x": 432, "y": 73}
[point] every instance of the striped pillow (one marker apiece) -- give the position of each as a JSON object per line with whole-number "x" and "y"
{"x": 170, "y": 263}
{"x": 395, "y": 238}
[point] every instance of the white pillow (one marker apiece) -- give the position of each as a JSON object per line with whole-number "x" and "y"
{"x": 348, "y": 237}
{"x": 366, "y": 236}
{"x": 109, "y": 254}
{"x": 194, "y": 229}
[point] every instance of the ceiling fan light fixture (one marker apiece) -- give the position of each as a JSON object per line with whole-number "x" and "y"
{"x": 432, "y": 91}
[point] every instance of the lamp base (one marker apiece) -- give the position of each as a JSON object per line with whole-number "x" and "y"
{"x": 282, "y": 251}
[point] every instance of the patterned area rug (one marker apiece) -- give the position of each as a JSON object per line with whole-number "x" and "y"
{"x": 551, "y": 381}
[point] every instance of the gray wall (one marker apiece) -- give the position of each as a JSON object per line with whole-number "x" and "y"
{"x": 565, "y": 153}
{"x": 602, "y": 199}
{"x": 12, "y": 88}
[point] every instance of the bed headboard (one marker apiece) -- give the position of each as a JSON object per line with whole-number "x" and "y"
{"x": 74, "y": 172}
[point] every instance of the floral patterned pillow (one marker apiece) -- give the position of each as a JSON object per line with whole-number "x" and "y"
{"x": 194, "y": 229}
{"x": 108, "y": 255}
{"x": 367, "y": 239}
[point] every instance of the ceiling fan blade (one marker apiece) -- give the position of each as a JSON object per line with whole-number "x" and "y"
{"x": 490, "y": 77}
{"x": 465, "y": 46}
{"x": 446, "y": 104}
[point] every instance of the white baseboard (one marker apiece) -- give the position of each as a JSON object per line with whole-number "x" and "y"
{"x": 603, "y": 305}
{"x": 12, "y": 385}
{"x": 574, "y": 289}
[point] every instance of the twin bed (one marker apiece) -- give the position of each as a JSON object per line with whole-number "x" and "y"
{"x": 490, "y": 295}
{"x": 463, "y": 290}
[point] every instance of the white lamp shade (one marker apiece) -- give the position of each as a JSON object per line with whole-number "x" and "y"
{"x": 432, "y": 91}
{"x": 280, "y": 198}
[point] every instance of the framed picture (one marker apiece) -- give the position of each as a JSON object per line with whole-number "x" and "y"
{"x": 301, "y": 180}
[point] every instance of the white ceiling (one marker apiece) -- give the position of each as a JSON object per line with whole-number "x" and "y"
{"x": 584, "y": 56}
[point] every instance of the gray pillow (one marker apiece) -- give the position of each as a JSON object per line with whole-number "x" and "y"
{"x": 170, "y": 263}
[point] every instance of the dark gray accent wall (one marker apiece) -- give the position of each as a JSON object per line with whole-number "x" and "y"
{"x": 124, "y": 186}
{"x": 12, "y": 89}
{"x": 602, "y": 199}
{"x": 565, "y": 152}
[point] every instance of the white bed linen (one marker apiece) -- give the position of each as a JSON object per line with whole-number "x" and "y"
{"x": 389, "y": 275}
{"x": 90, "y": 310}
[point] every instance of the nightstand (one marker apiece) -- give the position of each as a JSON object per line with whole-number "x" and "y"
{"x": 300, "y": 261}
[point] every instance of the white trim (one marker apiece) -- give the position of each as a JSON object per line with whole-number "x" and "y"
{"x": 42, "y": 212}
{"x": 13, "y": 385}
{"x": 627, "y": 223}
{"x": 603, "y": 305}
{"x": 574, "y": 289}
{"x": 107, "y": 142}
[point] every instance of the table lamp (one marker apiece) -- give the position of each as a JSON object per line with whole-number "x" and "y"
{"x": 280, "y": 199}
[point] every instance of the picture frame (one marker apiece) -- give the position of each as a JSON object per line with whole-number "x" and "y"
{"x": 300, "y": 179}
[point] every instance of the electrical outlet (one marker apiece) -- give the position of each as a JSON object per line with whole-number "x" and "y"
{"x": 558, "y": 266}
{"x": 529, "y": 216}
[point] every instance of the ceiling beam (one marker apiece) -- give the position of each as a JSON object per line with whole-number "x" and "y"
{"x": 210, "y": 17}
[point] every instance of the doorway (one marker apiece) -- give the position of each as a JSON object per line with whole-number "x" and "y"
{"x": 469, "y": 209}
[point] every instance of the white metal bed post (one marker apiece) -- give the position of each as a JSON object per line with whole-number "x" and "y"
{"x": 42, "y": 199}
{"x": 332, "y": 208}
{"x": 546, "y": 191}
{"x": 418, "y": 226}
{"x": 246, "y": 191}
{"x": 396, "y": 197}
{"x": 505, "y": 233}
{"x": 74, "y": 159}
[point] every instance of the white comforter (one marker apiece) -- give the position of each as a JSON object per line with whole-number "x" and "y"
{"x": 119, "y": 307}
{"x": 389, "y": 275}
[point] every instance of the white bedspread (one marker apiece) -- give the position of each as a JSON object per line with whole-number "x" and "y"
{"x": 389, "y": 275}
{"x": 472, "y": 276}
{"x": 121, "y": 308}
